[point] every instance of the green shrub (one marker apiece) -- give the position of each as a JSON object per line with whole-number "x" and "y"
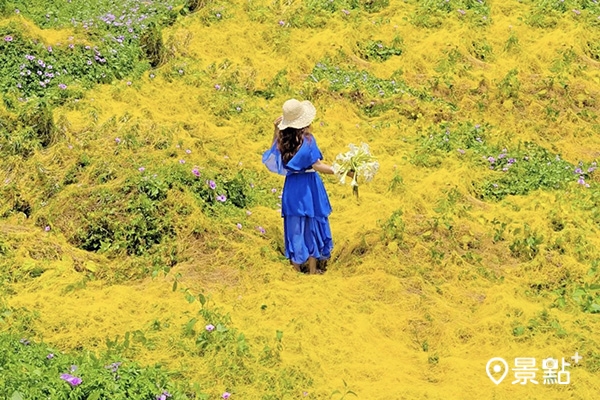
{"x": 37, "y": 371}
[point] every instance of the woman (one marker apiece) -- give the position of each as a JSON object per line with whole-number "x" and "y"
{"x": 305, "y": 205}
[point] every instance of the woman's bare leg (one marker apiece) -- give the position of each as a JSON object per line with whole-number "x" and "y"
{"x": 312, "y": 265}
{"x": 296, "y": 266}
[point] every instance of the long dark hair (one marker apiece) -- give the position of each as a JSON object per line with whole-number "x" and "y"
{"x": 289, "y": 141}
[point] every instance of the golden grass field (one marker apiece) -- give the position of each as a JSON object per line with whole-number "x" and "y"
{"x": 410, "y": 318}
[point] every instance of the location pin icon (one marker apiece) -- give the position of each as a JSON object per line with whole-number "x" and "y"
{"x": 493, "y": 366}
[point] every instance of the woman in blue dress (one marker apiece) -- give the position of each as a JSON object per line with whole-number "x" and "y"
{"x": 305, "y": 206}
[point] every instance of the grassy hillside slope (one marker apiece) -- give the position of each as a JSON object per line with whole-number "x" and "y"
{"x": 454, "y": 254}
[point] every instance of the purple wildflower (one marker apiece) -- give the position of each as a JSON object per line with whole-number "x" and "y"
{"x": 195, "y": 171}
{"x": 511, "y": 160}
{"x": 114, "y": 367}
{"x": 50, "y": 49}
{"x": 346, "y": 12}
{"x": 221, "y": 198}
{"x": 281, "y": 22}
{"x": 71, "y": 46}
{"x": 462, "y": 12}
{"x": 581, "y": 181}
{"x": 239, "y": 226}
{"x": 188, "y": 151}
{"x": 183, "y": 162}
{"x": 62, "y": 86}
{"x": 491, "y": 159}
{"x": 218, "y": 87}
{"x": 212, "y": 184}
{"x": 591, "y": 169}
{"x": 17, "y": 11}
{"x": 226, "y": 395}
{"x": 73, "y": 380}
{"x": 210, "y": 327}
{"x": 128, "y": 83}
{"x": 577, "y": 12}
{"x": 248, "y": 212}
{"x": 578, "y": 171}
{"x": 141, "y": 169}
{"x": 461, "y": 151}
{"x": 73, "y": 368}
{"x": 89, "y": 62}
{"x": 273, "y": 190}
{"x": 47, "y": 228}
{"x": 50, "y": 356}
{"x": 8, "y": 38}
{"x": 118, "y": 140}
{"x": 261, "y": 229}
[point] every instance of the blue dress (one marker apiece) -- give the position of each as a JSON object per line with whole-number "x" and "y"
{"x": 305, "y": 206}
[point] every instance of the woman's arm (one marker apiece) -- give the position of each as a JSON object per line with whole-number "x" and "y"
{"x": 276, "y": 132}
{"x": 323, "y": 168}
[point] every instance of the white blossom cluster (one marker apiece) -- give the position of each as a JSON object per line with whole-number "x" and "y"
{"x": 359, "y": 160}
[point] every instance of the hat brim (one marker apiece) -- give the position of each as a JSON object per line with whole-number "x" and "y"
{"x": 305, "y": 119}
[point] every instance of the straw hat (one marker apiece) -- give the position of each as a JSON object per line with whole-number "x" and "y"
{"x": 297, "y": 114}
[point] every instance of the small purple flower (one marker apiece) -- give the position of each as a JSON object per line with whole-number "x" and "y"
{"x": 578, "y": 171}
{"x": 181, "y": 71}
{"x": 461, "y": 151}
{"x": 89, "y": 62}
{"x": 71, "y": 46}
{"x": 212, "y": 184}
{"x": 239, "y": 226}
{"x": 462, "y": 12}
{"x": 163, "y": 396}
{"x": 195, "y": 171}
{"x": 182, "y": 161}
{"x": 221, "y": 198}
{"x": 50, "y": 49}
{"x": 511, "y": 160}
{"x": 62, "y": 86}
{"x": 73, "y": 380}
{"x": 118, "y": 140}
{"x": 226, "y": 395}
{"x": 281, "y": 23}
{"x": 19, "y": 85}
{"x": 491, "y": 159}
{"x": 128, "y": 83}
{"x": 8, "y": 38}
{"x": 114, "y": 367}
{"x": 273, "y": 190}
{"x": 210, "y": 327}
{"x": 218, "y": 87}
{"x": 577, "y": 12}
{"x": 261, "y": 229}
{"x": 188, "y": 151}
{"x": 218, "y": 15}
{"x": 50, "y": 356}
{"x": 581, "y": 181}
{"x": 591, "y": 169}
{"x": 252, "y": 186}
{"x": 17, "y": 11}
{"x": 141, "y": 169}
{"x": 73, "y": 368}
{"x": 505, "y": 169}
{"x": 47, "y": 228}
{"x": 248, "y": 212}
{"x": 346, "y": 12}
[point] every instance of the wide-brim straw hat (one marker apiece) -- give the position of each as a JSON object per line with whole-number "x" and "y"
{"x": 297, "y": 114}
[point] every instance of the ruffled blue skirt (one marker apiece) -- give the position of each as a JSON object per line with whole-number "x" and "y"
{"x": 307, "y": 237}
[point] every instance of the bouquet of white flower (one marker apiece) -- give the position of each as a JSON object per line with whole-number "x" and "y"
{"x": 359, "y": 161}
